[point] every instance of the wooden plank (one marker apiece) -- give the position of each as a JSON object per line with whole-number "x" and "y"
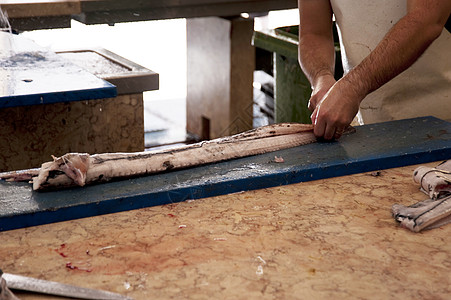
{"x": 41, "y": 14}
{"x": 23, "y": 12}
{"x": 40, "y": 8}
{"x": 372, "y": 147}
{"x": 37, "y": 23}
{"x": 254, "y": 5}
{"x": 114, "y": 11}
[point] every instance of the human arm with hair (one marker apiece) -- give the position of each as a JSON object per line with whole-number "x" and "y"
{"x": 398, "y": 50}
{"x": 316, "y": 47}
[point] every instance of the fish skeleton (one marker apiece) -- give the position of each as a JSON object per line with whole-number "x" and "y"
{"x": 79, "y": 169}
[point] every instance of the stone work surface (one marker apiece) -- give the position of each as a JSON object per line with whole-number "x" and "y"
{"x": 326, "y": 239}
{"x": 31, "y": 134}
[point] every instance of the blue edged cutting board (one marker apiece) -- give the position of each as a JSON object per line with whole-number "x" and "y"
{"x": 33, "y": 75}
{"x": 372, "y": 147}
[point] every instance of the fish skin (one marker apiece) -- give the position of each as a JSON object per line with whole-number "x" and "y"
{"x": 74, "y": 169}
{"x": 424, "y": 215}
{"x": 19, "y": 176}
{"x": 435, "y": 182}
{"x": 79, "y": 169}
{"x": 433, "y": 212}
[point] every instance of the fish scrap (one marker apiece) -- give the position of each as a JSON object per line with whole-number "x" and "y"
{"x": 80, "y": 169}
{"x": 431, "y": 213}
{"x": 435, "y": 182}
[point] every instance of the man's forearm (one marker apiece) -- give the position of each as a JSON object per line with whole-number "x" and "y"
{"x": 399, "y": 49}
{"x": 316, "y": 57}
{"x": 316, "y": 44}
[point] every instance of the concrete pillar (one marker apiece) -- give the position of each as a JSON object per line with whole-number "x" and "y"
{"x": 220, "y": 65}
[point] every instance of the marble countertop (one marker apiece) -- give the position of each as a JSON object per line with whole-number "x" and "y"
{"x": 325, "y": 239}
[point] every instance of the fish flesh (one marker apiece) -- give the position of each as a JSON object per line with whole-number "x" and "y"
{"x": 79, "y": 169}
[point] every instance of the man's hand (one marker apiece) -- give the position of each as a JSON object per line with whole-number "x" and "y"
{"x": 323, "y": 84}
{"x": 398, "y": 50}
{"x": 316, "y": 47}
{"x": 336, "y": 111}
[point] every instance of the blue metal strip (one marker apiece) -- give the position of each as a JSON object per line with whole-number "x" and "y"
{"x": 106, "y": 91}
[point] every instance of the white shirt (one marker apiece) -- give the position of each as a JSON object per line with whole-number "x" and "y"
{"x": 422, "y": 90}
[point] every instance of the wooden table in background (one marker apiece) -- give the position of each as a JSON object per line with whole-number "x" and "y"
{"x": 40, "y": 14}
{"x": 326, "y": 239}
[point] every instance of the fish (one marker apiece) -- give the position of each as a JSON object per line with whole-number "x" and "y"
{"x": 80, "y": 169}
{"x": 434, "y": 182}
{"x": 433, "y": 212}
{"x": 21, "y": 175}
{"x": 424, "y": 215}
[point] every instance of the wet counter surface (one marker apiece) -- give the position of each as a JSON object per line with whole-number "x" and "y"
{"x": 34, "y": 75}
{"x": 326, "y": 239}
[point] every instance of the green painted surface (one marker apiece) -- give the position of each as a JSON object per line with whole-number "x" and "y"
{"x": 292, "y": 89}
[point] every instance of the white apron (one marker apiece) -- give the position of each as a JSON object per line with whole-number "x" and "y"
{"x": 422, "y": 90}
